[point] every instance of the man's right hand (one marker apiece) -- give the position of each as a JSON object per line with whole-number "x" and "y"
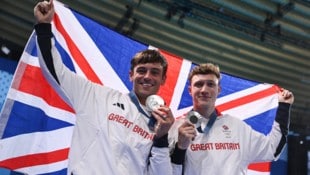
{"x": 187, "y": 133}
{"x": 44, "y": 12}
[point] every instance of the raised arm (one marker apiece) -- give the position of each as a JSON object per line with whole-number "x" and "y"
{"x": 286, "y": 99}
{"x": 44, "y": 12}
{"x": 268, "y": 148}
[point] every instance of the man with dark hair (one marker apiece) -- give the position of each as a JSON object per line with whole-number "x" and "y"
{"x": 111, "y": 139}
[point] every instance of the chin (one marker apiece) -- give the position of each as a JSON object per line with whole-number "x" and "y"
{"x": 203, "y": 104}
{"x": 147, "y": 93}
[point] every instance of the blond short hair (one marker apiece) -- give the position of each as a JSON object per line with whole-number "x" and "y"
{"x": 206, "y": 68}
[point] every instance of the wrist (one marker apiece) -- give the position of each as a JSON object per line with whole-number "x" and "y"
{"x": 178, "y": 155}
{"x": 161, "y": 142}
{"x": 182, "y": 146}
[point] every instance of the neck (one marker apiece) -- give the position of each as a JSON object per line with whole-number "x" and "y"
{"x": 141, "y": 99}
{"x": 205, "y": 111}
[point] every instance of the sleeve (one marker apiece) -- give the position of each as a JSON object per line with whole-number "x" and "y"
{"x": 159, "y": 161}
{"x": 177, "y": 159}
{"x": 283, "y": 118}
{"x": 177, "y": 155}
{"x": 74, "y": 89}
{"x": 44, "y": 36}
{"x": 268, "y": 148}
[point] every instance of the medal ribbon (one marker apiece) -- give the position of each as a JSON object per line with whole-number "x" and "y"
{"x": 135, "y": 100}
{"x": 209, "y": 124}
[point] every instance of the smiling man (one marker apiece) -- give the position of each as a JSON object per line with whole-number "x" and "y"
{"x": 112, "y": 134}
{"x": 220, "y": 143}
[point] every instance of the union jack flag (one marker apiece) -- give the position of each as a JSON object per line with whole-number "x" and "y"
{"x": 36, "y": 122}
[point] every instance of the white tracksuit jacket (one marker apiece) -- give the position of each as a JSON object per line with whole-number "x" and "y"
{"x": 111, "y": 136}
{"x": 230, "y": 146}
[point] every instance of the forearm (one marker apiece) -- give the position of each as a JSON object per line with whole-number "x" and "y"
{"x": 283, "y": 118}
{"x": 177, "y": 159}
{"x": 44, "y": 35}
{"x": 159, "y": 158}
{"x": 178, "y": 155}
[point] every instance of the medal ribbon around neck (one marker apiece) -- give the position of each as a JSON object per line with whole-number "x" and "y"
{"x": 135, "y": 100}
{"x": 209, "y": 124}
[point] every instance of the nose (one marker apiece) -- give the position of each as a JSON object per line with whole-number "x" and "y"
{"x": 204, "y": 88}
{"x": 148, "y": 74}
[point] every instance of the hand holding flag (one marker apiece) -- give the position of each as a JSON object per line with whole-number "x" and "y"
{"x": 44, "y": 12}
{"x": 285, "y": 96}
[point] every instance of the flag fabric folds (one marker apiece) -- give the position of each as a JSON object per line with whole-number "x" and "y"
{"x": 36, "y": 122}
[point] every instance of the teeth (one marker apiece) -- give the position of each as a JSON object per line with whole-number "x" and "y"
{"x": 146, "y": 84}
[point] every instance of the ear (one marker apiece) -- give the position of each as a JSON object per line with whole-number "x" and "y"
{"x": 130, "y": 75}
{"x": 219, "y": 89}
{"x": 189, "y": 90}
{"x": 163, "y": 81}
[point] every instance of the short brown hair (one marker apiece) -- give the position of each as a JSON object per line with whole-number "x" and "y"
{"x": 149, "y": 56}
{"x": 206, "y": 68}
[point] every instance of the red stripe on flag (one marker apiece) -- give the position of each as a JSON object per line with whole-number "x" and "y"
{"x": 35, "y": 159}
{"x": 76, "y": 53}
{"x": 175, "y": 63}
{"x": 262, "y": 167}
{"x": 247, "y": 99}
{"x": 33, "y": 82}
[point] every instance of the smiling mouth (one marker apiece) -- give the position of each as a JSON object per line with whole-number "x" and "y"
{"x": 146, "y": 84}
{"x": 204, "y": 97}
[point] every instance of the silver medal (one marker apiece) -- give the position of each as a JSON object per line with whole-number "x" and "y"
{"x": 153, "y": 102}
{"x": 194, "y": 117}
